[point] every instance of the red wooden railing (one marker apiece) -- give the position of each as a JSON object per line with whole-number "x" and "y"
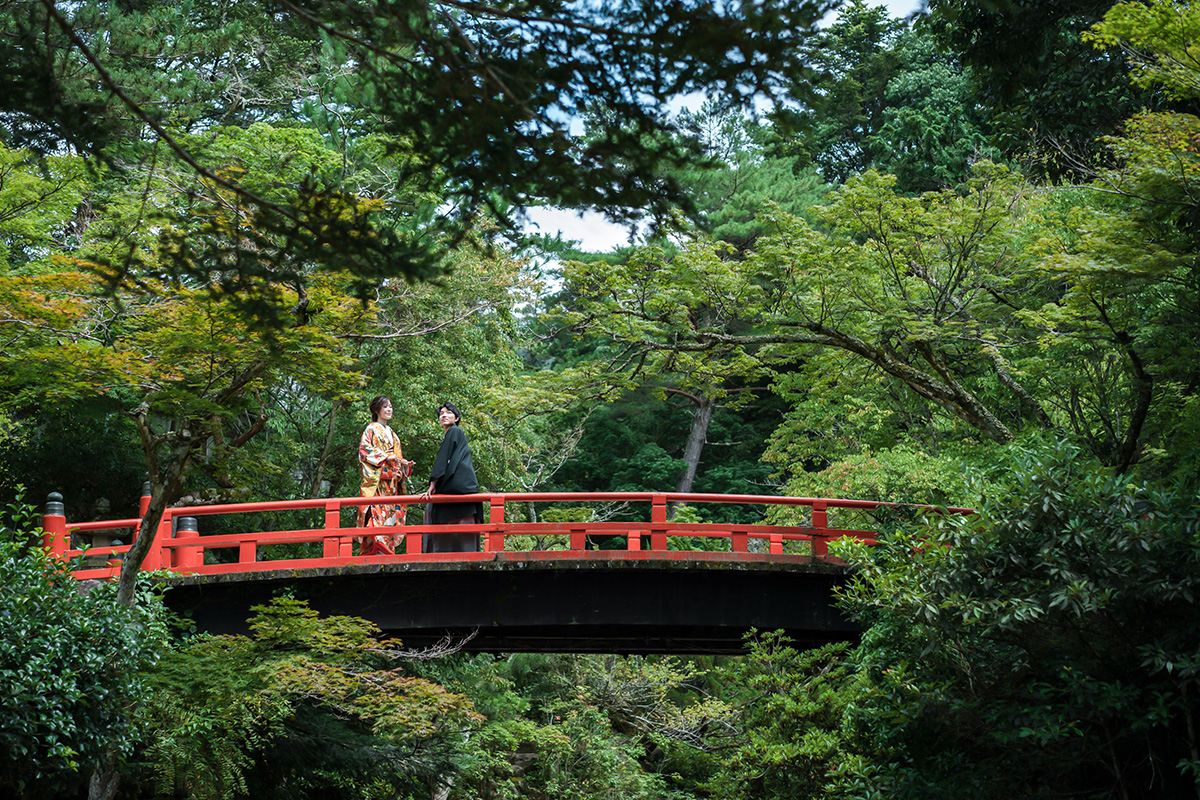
{"x": 181, "y": 550}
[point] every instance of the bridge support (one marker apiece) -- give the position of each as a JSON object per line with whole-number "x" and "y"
{"x": 601, "y": 601}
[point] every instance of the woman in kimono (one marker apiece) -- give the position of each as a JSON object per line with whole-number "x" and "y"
{"x": 384, "y": 469}
{"x": 453, "y": 473}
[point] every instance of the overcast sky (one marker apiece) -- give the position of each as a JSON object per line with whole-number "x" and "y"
{"x": 597, "y": 234}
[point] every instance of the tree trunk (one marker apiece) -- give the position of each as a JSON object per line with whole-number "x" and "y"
{"x": 165, "y": 483}
{"x": 164, "y": 487}
{"x": 105, "y": 778}
{"x": 315, "y": 487}
{"x": 440, "y": 789}
{"x": 695, "y": 442}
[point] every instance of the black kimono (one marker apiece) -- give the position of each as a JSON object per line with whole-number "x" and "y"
{"x": 453, "y": 473}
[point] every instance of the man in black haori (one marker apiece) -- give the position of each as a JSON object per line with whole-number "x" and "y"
{"x": 453, "y": 473}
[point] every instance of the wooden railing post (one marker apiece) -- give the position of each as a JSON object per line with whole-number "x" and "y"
{"x": 820, "y": 524}
{"x": 334, "y": 546}
{"x": 54, "y": 525}
{"x": 739, "y": 541}
{"x": 495, "y": 539}
{"x": 658, "y": 517}
{"x": 412, "y": 541}
{"x": 185, "y": 558}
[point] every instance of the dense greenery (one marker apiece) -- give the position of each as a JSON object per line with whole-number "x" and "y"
{"x": 957, "y": 262}
{"x": 1057, "y": 631}
{"x": 304, "y": 706}
{"x": 73, "y": 666}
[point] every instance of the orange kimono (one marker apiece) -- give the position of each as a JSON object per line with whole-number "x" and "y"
{"x": 379, "y": 442}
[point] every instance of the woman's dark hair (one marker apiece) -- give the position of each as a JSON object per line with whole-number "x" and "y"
{"x": 377, "y": 405}
{"x": 453, "y": 410}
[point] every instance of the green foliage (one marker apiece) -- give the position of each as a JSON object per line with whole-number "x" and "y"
{"x": 634, "y": 426}
{"x": 304, "y": 705}
{"x": 656, "y": 319}
{"x": 790, "y": 706}
{"x": 900, "y": 474}
{"x": 998, "y": 306}
{"x": 884, "y": 97}
{"x": 37, "y": 196}
{"x": 1056, "y": 630}
{"x": 72, "y": 667}
{"x": 1161, "y": 36}
{"x": 84, "y": 452}
{"x": 569, "y": 726}
{"x": 593, "y": 761}
{"x": 855, "y": 61}
{"x": 902, "y": 289}
{"x": 643, "y": 305}
{"x": 1049, "y": 96}
{"x": 187, "y": 366}
{"x": 849, "y": 433}
{"x": 434, "y": 79}
{"x": 740, "y": 176}
{"x": 932, "y": 129}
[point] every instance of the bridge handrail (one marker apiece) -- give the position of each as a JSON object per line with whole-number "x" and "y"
{"x": 183, "y": 550}
{"x": 523, "y": 497}
{"x": 747, "y": 499}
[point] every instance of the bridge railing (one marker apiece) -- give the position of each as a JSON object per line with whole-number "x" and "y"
{"x": 179, "y": 546}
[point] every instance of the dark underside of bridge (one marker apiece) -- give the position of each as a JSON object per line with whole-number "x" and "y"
{"x": 596, "y": 602}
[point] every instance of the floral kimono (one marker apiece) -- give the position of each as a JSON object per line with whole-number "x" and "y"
{"x": 378, "y": 443}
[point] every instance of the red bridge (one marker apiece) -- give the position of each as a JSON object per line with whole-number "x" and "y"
{"x": 658, "y": 586}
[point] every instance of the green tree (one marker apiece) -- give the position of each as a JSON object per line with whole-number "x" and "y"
{"x": 1157, "y": 39}
{"x": 38, "y": 197}
{"x": 1156, "y": 173}
{"x": 305, "y": 705}
{"x": 561, "y": 725}
{"x": 933, "y": 127}
{"x": 178, "y": 361}
{"x": 980, "y": 302}
{"x": 789, "y": 707}
{"x": 905, "y": 287}
{"x": 73, "y": 663}
{"x": 642, "y": 307}
{"x": 855, "y": 59}
{"x": 1055, "y": 631}
{"x": 485, "y": 96}
{"x": 1049, "y": 96}
{"x": 739, "y": 176}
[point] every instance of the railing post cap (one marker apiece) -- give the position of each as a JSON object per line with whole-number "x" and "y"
{"x": 146, "y": 489}
{"x": 54, "y": 504}
{"x": 188, "y": 524}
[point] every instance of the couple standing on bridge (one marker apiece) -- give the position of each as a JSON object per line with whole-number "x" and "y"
{"x": 384, "y": 470}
